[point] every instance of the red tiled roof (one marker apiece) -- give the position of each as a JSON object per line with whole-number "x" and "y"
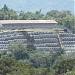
{"x": 26, "y": 21}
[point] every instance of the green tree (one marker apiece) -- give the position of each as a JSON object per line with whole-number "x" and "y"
{"x": 6, "y": 65}
{"x": 64, "y": 66}
{"x": 70, "y": 73}
{"x": 38, "y": 15}
{"x": 7, "y": 14}
{"x": 30, "y": 47}
{"x": 18, "y": 50}
{"x": 41, "y": 59}
{"x": 10, "y": 66}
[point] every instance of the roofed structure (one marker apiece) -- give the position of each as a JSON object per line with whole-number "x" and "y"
{"x": 27, "y": 21}
{"x": 42, "y": 31}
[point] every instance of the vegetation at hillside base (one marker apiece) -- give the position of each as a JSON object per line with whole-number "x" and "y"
{"x": 17, "y": 60}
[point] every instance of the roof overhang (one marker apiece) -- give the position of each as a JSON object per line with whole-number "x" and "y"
{"x": 27, "y": 21}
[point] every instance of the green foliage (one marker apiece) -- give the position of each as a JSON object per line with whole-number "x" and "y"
{"x": 30, "y": 47}
{"x": 43, "y": 59}
{"x": 40, "y": 59}
{"x": 18, "y": 50}
{"x": 7, "y": 14}
{"x": 26, "y": 16}
{"x": 70, "y": 73}
{"x": 44, "y": 62}
{"x": 64, "y": 65}
{"x": 67, "y": 21}
{"x": 9, "y": 66}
